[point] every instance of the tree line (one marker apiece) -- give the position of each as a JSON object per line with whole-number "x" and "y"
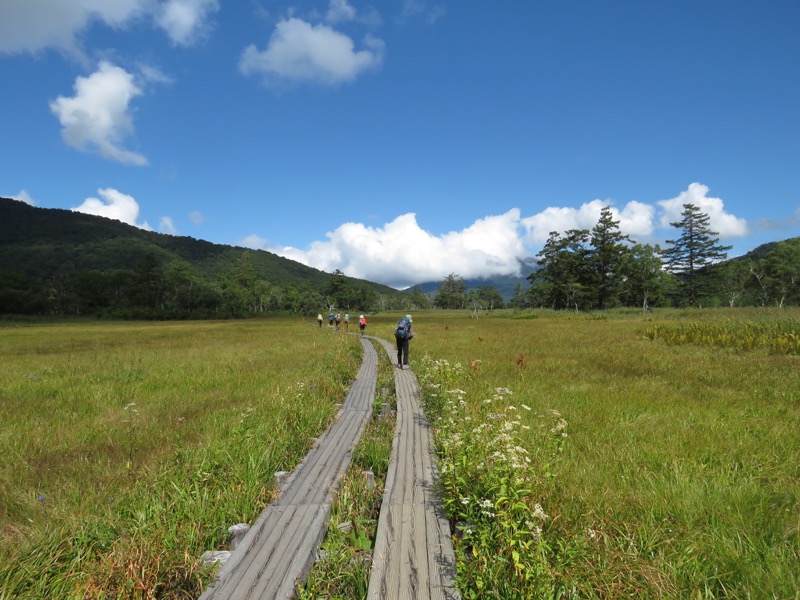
{"x": 173, "y": 289}
{"x": 579, "y": 269}
{"x": 582, "y": 269}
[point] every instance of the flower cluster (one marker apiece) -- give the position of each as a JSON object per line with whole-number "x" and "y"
{"x": 488, "y": 475}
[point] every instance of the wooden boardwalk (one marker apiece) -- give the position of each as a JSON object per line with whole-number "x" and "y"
{"x": 279, "y": 550}
{"x": 413, "y": 555}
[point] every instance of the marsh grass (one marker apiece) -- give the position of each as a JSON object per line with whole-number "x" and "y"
{"x": 777, "y": 336}
{"x": 680, "y": 475}
{"x": 343, "y": 568}
{"x": 132, "y": 447}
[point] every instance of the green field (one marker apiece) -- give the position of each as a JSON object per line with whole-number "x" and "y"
{"x": 680, "y": 472}
{"x": 129, "y": 448}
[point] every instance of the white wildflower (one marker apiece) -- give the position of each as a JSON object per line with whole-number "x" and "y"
{"x": 539, "y": 513}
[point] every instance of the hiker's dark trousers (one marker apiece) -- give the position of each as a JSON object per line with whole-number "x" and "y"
{"x": 402, "y": 351}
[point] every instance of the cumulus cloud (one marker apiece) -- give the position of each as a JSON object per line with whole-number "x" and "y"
{"x": 635, "y": 219}
{"x": 114, "y": 205}
{"x": 25, "y": 197}
{"x": 34, "y": 25}
{"x": 186, "y": 21}
{"x": 299, "y": 52}
{"x": 561, "y": 219}
{"x": 401, "y": 253}
{"x": 97, "y": 118}
{"x": 726, "y": 224}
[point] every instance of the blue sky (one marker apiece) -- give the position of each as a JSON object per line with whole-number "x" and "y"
{"x": 403, "y": 141}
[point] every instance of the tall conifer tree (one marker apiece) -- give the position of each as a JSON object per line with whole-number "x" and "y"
{"x": 696, "y": 248}
{"x": 606, "y": 258}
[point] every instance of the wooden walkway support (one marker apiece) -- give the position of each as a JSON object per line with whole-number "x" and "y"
{"x": 413, "y": 556}
{"x": 277, "y": 553}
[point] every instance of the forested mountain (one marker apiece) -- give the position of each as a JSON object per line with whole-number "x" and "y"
{"x": 64, "y": 262}
{"x": 45, "y": 243}
{"x": 61, "y": 262}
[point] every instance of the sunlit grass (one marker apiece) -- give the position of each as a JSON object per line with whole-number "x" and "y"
{"x": 132, "y": 447}
{"x": 679, "y": 477}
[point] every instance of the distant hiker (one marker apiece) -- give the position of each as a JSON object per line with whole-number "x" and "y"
{"x": 338, "y": 320}
{"x": 402, "y": 334}
{"x": 362, "y": 323}
{"x": 319, "y": 320}
{"x": 330, "y": 319}
{"x": 347, "y": 322}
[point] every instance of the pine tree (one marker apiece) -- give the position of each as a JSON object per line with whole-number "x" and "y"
{"x": 696, "y": 248}
{"x": 563, "y": 279}
{"x": 452, "y": 293}
{"x": 606, "y": 258}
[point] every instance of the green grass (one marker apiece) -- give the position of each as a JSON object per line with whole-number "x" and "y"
{"x": 681, "y": 473}
{"x": 132, "y": 447}
{"x": 679, "y": 476}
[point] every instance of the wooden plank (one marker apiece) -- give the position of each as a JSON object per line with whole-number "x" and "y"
{"x": 278, "y": 551}
{"x": 413, "y": 556}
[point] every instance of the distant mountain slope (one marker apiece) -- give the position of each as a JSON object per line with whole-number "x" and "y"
{"x": 505, "y": 284}
{"x": 45, "y": 243}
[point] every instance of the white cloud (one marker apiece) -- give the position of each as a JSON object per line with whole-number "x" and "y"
{"x": 25, "y": 197}
{"x": 114, "y": 205}
{"x": 151, "y": 74}
{"x": 636, "y": 219}
{"x": 299, "y": 52}
{"x": 97, "y": 117}
{"x": 166, "y": 225}
{"x": 186, "y": 21}
{"x": 429, "y": 12}
{"x": 253, "y": 241}
{"x": 726, "y": 224}
{"x": 34, "y": 25}
{"x": 401, "y": 253}
{"x": 789, "y": 222}
{"x": 561, "y": 219}
{"x": 340, "y": 11}
{"x": 196, "y": 217}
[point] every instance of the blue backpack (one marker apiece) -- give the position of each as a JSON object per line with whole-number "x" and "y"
{"x": 401, "y": 331}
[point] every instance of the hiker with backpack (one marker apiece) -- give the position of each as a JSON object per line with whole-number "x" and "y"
{"x": 402, "y": 334}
